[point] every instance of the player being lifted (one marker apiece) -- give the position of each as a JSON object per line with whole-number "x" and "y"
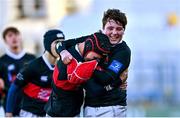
{"x": 67, "y": 93}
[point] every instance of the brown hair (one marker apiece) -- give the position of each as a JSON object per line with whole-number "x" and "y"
{"x": 116, "y": 15}
{"x": 10, "y": 29}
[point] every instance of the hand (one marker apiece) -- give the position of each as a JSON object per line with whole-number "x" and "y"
{"x": 124, "y": 75}
{"x": 66, "y": 57}
{"x": 1, "y": 83}
{"x": 123, "y": 86}
{"x": 8, "y": 114}
{"x": 121, "y": 82}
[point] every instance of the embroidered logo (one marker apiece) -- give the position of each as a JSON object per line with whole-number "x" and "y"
{"x": 115, "y": 66}
{"x": 44, "y": 78}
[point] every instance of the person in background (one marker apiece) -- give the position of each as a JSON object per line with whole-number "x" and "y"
{"x": 11, "y": 62}
{"x": 35, "y": 80}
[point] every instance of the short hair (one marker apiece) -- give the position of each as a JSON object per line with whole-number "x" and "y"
{"x": 116, "y": 15}
{"x": 10, "y": 29}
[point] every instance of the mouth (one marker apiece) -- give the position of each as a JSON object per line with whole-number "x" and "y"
{"x": 114, "y": 39}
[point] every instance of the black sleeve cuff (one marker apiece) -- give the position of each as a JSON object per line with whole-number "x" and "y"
{"x": 59, "y": 47}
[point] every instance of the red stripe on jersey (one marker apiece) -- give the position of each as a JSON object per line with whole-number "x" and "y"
{"x": 37, "y": 92}
{"x": 63, "y": 84}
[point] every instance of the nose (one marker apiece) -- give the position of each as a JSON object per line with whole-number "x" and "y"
{"x": 114, "y": 31}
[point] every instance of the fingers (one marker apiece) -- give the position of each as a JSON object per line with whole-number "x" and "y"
{"x": 66, "y": 57}
{"x": 66, "y": 60}
{"x": 123, "y": 86}
{"x": 124, "y": 75}
{"x": 9, "y": 115}
{"x": 1, "y": 83}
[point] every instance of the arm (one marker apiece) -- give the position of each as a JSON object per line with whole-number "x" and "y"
{"x": 1, "y": 84}
{"x": 93, "y": 87}
{"x": 71, "y": 42}
{"x": 121, "y": 82}
{"x": 117, "y": 64}
{"x": 1, "y": 87}
{"x": 11, "y": 98}
{"x": 21, "y": 80}
{"x": 62, "y": 46}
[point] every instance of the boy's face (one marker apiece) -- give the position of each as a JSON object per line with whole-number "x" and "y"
{"x": 13, "y": 40}
{"x": 114, "y": 31}
{"x": 92, "y": 55}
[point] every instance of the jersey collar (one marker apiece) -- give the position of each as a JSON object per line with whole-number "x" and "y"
{"x": 120, "y": 41}
{"x": 15, "y": 56}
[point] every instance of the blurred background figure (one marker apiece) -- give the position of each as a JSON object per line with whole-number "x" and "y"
{"x": 11, "y": 63}
{"x": 152, "y": 34}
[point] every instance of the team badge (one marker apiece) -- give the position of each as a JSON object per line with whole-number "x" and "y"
{"x": 115, "y": 66}
{"x": 11, "y": 67}
{"x": 44, "y": 78}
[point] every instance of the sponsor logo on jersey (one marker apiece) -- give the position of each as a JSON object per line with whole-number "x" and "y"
{"x": 11, "y": 67}
{"x": 44, "y": 78}
{"x": 19, "y": 76}
{"x": 115, "y": 66}
{"x": 44, "y": 94}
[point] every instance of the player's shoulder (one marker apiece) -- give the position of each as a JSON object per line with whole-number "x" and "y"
{"x": 121, "y": 48}
{"x": 29, "y": 55}
{"x": 32, "y": 67}
{"x": 125, "y": 46}
{"x": 35, "y": 63}
{"x": 4, "y": 56}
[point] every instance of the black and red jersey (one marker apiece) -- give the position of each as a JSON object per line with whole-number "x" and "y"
{"x": 119, "y": 60}
{"x": 103, "y": 89}
{"x": 66, "y": 98}
{"x": 35, "y": 80}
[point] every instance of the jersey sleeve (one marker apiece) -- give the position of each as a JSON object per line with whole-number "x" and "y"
{"x": 117, "y": 64}
{"x": 71, "y": 42}
{"x": 11, "y": 97}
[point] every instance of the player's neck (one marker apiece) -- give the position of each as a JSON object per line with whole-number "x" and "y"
{"x": 15, "y": 50}
{"x": 50, "y": 58}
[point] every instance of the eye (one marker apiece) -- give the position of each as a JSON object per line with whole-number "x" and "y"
{"x": 110, "y": 28}
{"x": 120, "y": 29}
